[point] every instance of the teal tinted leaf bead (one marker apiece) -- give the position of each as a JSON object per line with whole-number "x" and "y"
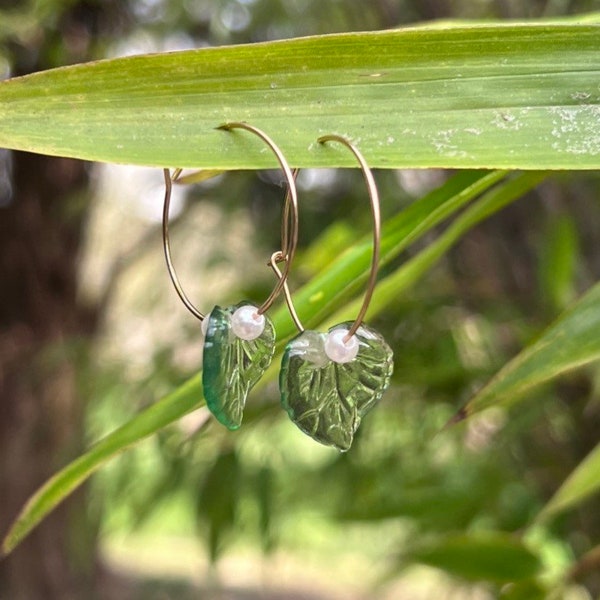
{"x": 328, "y": 385}
{"x": 238, "y": 349}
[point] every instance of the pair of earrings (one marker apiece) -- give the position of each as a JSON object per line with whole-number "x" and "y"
{"x": 328, "y": 381}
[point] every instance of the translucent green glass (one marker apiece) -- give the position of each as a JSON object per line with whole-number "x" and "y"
{"x": 232, "y": 366}
{"x": 327, "y": 400}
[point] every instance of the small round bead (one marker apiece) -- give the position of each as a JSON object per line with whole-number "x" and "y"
{"x": 246, "y": 323}
{"x": 338, "y": 350}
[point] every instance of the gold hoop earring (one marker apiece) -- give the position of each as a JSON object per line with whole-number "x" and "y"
{"x": 239, "y": 340}
{"x": 329, "y": 381}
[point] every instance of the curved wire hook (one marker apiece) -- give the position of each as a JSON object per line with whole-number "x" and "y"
{"x": 167, "y": 244}
{"x": 289, "y": 230}
{"x": 375, "y": 211}
{"x": 278, "y": 257}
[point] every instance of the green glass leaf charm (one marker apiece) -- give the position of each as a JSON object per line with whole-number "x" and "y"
{"x": 232, "y": 365}
{"x": 327, "y": 399}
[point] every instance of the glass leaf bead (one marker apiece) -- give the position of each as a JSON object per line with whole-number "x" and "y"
{"x": 232, "y": 365}
{"x": 328, "y": 399}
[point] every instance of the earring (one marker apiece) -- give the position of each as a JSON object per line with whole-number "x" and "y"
{"x": 239, "y": 340}
{"x": 329, "y": 381}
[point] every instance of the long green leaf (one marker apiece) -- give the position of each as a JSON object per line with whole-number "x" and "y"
{"x": 389, "y": 288}
{"x": 345, "y": 276}
{"x": 500, "y": 96}
{"x": 169, "y": 409}
{"x": 407, "y": 226}
{"x": 570, "y": 342}
{"x": 581, "y": 483}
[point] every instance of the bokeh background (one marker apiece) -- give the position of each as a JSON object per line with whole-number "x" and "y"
{"x": 91, "y": 331}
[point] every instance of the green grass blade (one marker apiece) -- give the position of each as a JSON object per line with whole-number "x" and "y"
{"x": 341, "y": 275}
{"x": 572, "y": 341}
{"x": 169, "y": 409}
{"x": 495, "y": 96}
{"x": 580, "y": 485}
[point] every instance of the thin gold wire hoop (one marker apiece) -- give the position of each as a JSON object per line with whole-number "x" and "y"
{"x": 167, "y": 245}
{"x": 376, "y": 214}
{"x": 289, "y": 230}
{"x": 278, "y": 257}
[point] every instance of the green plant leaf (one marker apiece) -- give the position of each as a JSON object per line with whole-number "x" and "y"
{"x": 479, "y": 557}
{"x": 217, "y": 500}
{"x": 346, "y": 276}
{"x": 572, "y": 341}
{"x": 322, "y": 294}
{"x": 389, "y": 288}
{"x": 558, "y": 260}
{"x": 183, "y": 400}
{"x": 581, "y": 483}
{"x": 495, "y": 96}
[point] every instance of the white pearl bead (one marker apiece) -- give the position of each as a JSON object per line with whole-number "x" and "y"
{"x": 338, "y": 350}
{"x": 246, "y": 323}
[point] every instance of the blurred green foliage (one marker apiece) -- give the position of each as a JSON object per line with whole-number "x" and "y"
{"x": 458, "y": 499}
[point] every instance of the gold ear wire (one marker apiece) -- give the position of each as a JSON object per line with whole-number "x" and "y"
{"x": 375, "y": 211}
{"x": 277, "y": 257}
{"x": 289, "y": 231}
{"x": 167, "y": 244}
